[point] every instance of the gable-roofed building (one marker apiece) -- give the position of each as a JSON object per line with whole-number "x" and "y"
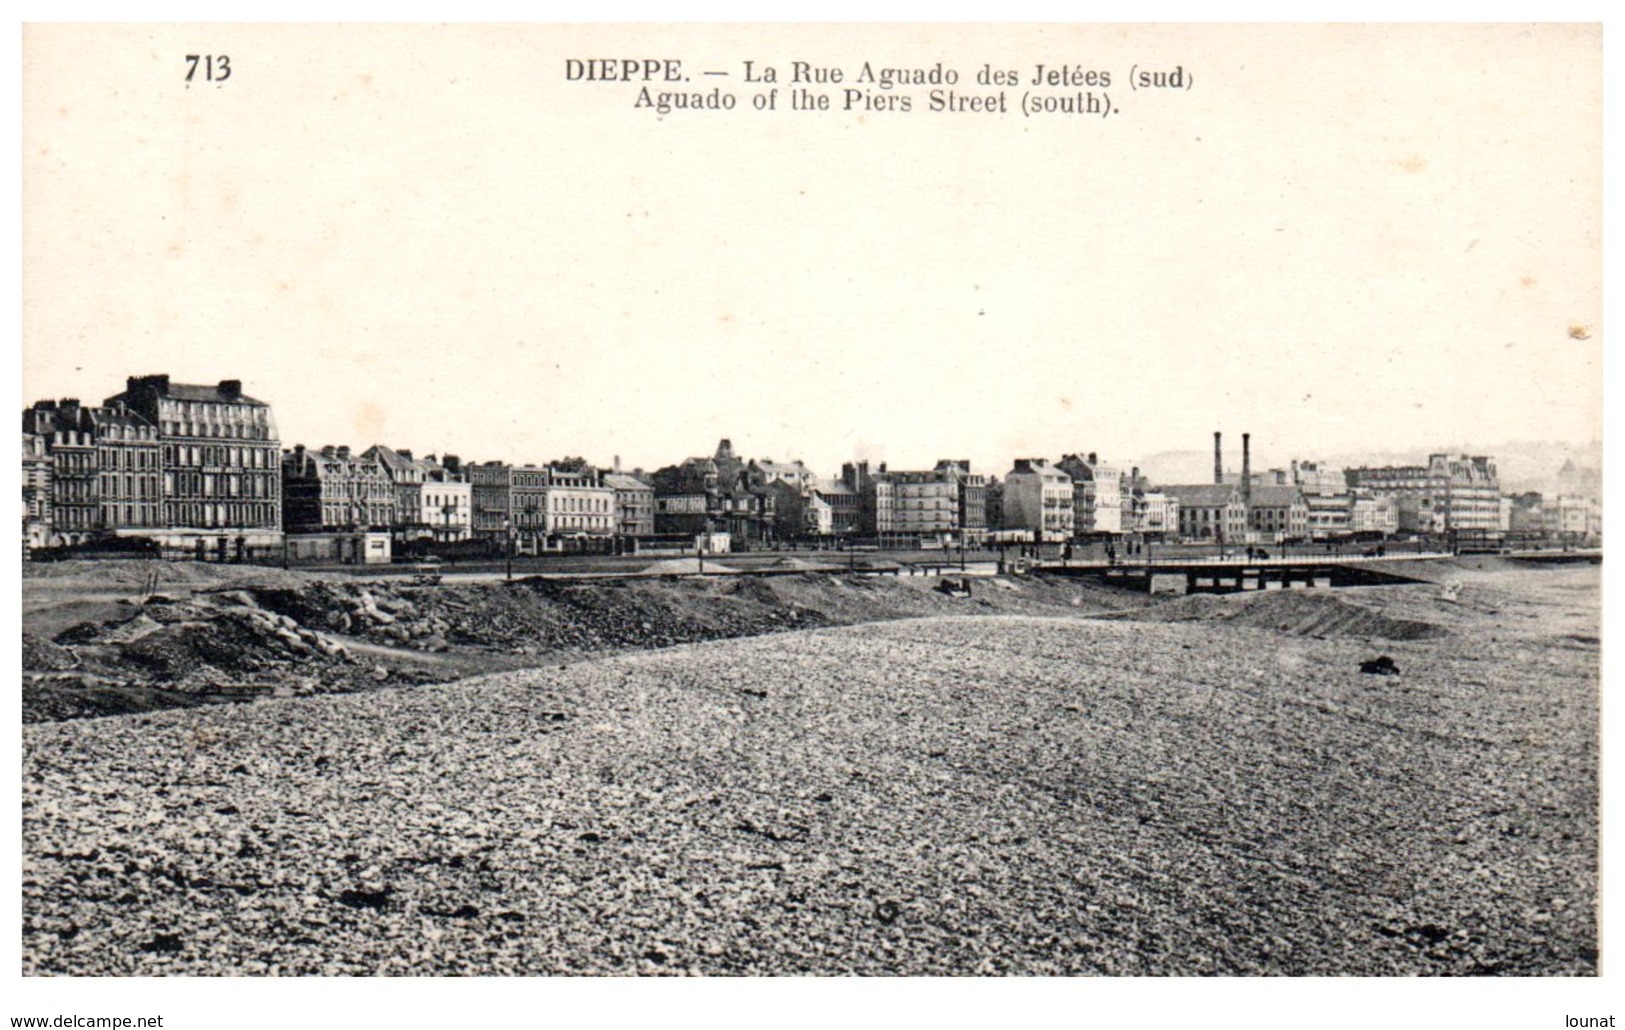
{"x": 1209, "y": 511}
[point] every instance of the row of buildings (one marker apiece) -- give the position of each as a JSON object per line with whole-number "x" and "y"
{"x": 201, "y": 471}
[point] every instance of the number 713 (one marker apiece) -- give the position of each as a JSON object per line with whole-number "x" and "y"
{"x": 216, "y": 67}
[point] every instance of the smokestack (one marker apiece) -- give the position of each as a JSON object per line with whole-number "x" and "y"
{"x": 1246, "y": 471}
{"x": 1218, "y": 461}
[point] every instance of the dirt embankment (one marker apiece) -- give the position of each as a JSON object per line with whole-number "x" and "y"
{"x": 1297, "y": 613}
{"x": 94, "y": 645}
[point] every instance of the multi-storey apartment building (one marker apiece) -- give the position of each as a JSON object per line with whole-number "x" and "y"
{"x": 1157, "y": 513}
{"x": 1447, "y": 494}
{"x": 105, "y": 469}
{"x": 129, "y": 472}
{"x": 433, "y": 500}
{"x": 1277, "y": 512}
{"x": 1097, "y": 494}
{"x": 716, "y": 494}
{"x": 925, "y": 504}
{"x": 578, "y": 504}
{"x": 509, "y": 506}
{"x": 445, "y": 504}
{"x": 69, "y": 437}
{"x": 1577, "y": 518}
{"x": 406, "y": 475}
{"x": 876, "y": 500}
{"x": 221, "y": 465}
{"x": 946, "y": 503}
{"x": 842, "y": 503}
{"x": 333, "y": 490}
{"x": 36, "y": 494}
{"x": 531, "y": 508}
{"x": 1371, "y": 513}
{"x": 1039, "y": 497}
{"x": 634, "y": 505}
{"x": 1326, "y": 495}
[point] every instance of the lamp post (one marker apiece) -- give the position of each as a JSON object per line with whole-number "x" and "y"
{"x": 508, "y": 534}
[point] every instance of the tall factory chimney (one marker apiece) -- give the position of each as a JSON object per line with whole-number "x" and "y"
{"x": 1247, "y": 473}
{"x": 1218, "y": 462}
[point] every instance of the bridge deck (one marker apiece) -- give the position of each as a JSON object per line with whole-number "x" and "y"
{"x": 1214, "y": 563}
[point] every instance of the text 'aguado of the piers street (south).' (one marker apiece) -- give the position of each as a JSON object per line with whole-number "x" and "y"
{"x": 666, "y": 85}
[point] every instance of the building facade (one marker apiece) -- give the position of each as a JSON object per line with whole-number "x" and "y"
{"x": 578, "y": 505}
{"x": 1039, "y": 497}
{"x": 1370, "y": 513}
{"x": 221, "y": 466}
{"x": 36, "y": 483}
{"x": 1210, "y": 512}
{"x": 334, "y": 490}
{"x": 634, "y": 505}
{"x": 1277, "y": 513}
{"x": 1445, "y": 495}
{"x": 1097, "y": 494}
{"x": 719, "y": 494}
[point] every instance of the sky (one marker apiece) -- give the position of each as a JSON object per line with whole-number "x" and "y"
{"x": 1338, "y": 237}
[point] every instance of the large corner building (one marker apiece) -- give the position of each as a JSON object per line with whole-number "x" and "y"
{"x": 221, "y": 467}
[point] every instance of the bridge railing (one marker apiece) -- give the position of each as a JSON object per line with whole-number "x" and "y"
{"x": 1241, "y": 561}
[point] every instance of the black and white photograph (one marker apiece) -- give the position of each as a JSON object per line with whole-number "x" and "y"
{"x": 808, "y": 504}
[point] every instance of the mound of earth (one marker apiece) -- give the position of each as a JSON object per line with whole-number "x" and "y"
{"x": 339, "y": 634}
{"x": 1294, "y": 612}
{"x": 686, "y": 567}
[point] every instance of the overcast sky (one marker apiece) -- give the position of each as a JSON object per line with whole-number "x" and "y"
{"x": 1339, "y": 237}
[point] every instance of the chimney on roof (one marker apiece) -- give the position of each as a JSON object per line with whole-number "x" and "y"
{"x": 231, "y": 388}
{"x": 1218, "y": 461}
{"x": 328, "y": 450}
{"x": 403, "y": 452}
{"x": 617, "y": 463}
{"x": 158, "y": 384}
{"x": 1246, "y": 471}
{"x": 344, "y": 452}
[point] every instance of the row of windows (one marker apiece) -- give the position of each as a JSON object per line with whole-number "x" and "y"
{"x": 68, "y": 462}
{"x": 225, "y": 431}
{"x": 67, "y": 491}
{"x": 131, "y": 487}
{"x": 581, "y": 522}
{"x": 225, "y": 484}
{"x": 346, "y": 514}
{"x": 131, "y": 514}
{"x": 220, "y": 456}
{"x": 341, "y": 490}
{"x": 192, "y": 513}
{"x": 129, "y": 457}
{"x": 578, "y": 504}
